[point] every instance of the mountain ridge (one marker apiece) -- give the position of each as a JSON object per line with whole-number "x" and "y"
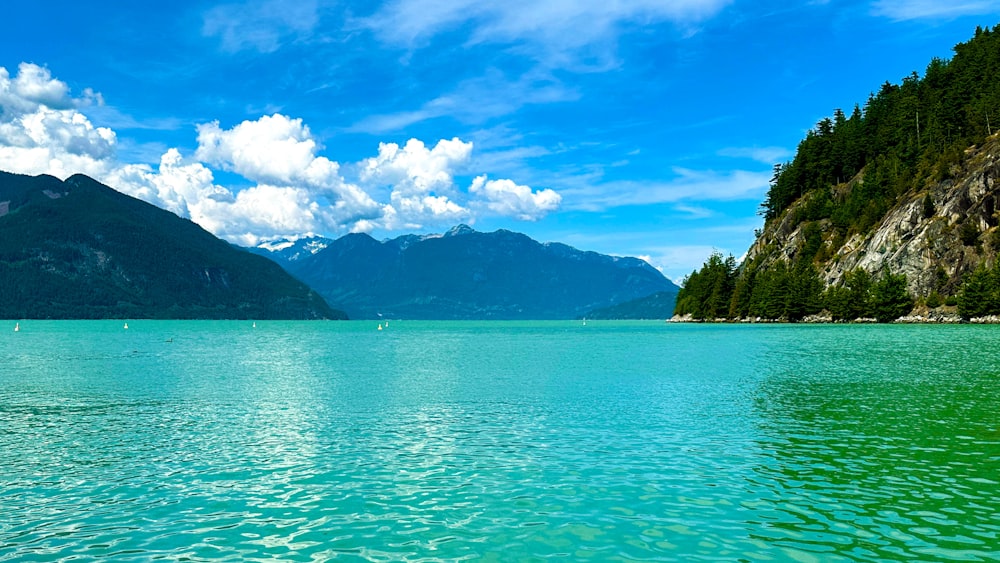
{"x": 467, "y": 274}
{"x": 80, "y": 249}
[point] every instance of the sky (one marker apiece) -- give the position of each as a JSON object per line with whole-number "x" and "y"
{"x": 644, "y": 128}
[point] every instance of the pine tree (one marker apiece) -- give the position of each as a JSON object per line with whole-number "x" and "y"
{"x": 977, "y": 298}
{"x": 889, "y": 298}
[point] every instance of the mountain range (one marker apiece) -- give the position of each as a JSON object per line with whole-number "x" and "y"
{"x": 79, "y": 249}
{"x": 466, "y": 274}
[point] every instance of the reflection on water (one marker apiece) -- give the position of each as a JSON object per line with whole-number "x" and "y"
{"x": 498, "y": 441}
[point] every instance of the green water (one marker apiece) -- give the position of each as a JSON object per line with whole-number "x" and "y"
{"x": 498, "y": 442}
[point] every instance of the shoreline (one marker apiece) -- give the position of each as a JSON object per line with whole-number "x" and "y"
{"x": 931, "y": 318}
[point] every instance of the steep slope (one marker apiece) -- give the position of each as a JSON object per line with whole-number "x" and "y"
{"x": 466, "y": 274}
{"x": 935, "y": 233}
{"x": 79, "y": 249}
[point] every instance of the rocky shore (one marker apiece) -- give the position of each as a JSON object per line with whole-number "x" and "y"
{"x": 918, "y": 316}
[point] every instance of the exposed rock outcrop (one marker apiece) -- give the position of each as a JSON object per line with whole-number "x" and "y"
{"x": 934, "y": 251}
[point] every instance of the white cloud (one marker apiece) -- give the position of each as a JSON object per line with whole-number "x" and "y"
{"x": 274, "y": 148}
{"x": 261, "y": 212}
{"x": 901, "y": 10}
{"x": 421, "y": 181}
{"x": 32, "y": 87}
{"x": 175, "y": 186}
{"x": 688, "y": 185}
{"x": 414, "y": 168}
{"x": 294, "y": 190}
{"x": 477, "y": 100}
{"x": 42, "y": 133}
{"x": 694, "y": 211}
{"x": 766, "y": 155}
{"x": 260, "y": 25}
{"x": 510, "y": 199}
{"x": 280, "y": 151}
{"x": 558, "y": 26}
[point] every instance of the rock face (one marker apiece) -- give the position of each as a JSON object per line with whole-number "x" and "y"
{"x": 466, "y": 274}
{"x": 79, "y": 249}
{"x": 934, "y": 250}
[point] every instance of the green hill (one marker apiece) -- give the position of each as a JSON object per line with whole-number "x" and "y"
{"x": 79, "y": 249}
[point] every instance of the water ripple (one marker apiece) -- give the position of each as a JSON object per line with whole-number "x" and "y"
{"x": 504, "y": 442}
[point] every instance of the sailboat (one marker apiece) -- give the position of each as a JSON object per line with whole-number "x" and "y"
{"x": 126, "y": 326}
{"x": 17, "y": 327}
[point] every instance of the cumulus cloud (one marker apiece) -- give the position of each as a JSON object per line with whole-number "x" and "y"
{"x": 508, "y": 198}
{"x": 41, "y": 132}
{"x": 413, "y": 168}
{"x": 32, "y": 87}
{"x": 293, "y": 189}
{"x": 280, "y": 151}
{"x": 175, "y": 186}
{"x": 262, "y": 212}
{"x": 273, "y": 148}
{"x": 421, "y": 181}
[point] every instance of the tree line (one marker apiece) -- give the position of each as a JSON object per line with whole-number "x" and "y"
{"x": 790, "y": 292}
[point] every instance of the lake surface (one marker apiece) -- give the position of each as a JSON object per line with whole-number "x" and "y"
{"x": 498, "y": 441}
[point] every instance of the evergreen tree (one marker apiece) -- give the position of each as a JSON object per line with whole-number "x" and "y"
{"x": 706, "y": 293}
{"x": 804, "y": 291}
{"x": 978, "y": 296}
{"x": 853, "y": 299}
{"x": 889, "y": 298}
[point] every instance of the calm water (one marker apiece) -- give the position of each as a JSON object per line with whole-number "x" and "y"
{"x": 498, "y": 442}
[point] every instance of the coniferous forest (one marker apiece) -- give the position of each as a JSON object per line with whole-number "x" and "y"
{"x": 905, "y": 136}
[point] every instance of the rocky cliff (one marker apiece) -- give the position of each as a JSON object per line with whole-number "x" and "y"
{"x": 933, "y": 242}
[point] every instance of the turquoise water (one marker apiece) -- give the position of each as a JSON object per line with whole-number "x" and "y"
{"x": 311, "y": 441}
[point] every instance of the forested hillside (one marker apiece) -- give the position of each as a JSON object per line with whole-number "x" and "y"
{"x": 893, "y": 205}
{"x": 78, "y": 249}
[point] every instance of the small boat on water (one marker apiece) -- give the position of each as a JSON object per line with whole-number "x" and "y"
{"x": 126, "y": 326}
{"x": 17, "y": 327}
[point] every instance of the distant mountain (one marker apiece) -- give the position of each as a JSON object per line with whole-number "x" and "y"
{"x": 79, "y": 249}
{"x": 282, "y": 251}
{"x": 466, "y": 274}
{"x": 656, "y": 306}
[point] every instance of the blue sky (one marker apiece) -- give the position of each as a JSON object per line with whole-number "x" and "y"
{"x": 643, "y": 128}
